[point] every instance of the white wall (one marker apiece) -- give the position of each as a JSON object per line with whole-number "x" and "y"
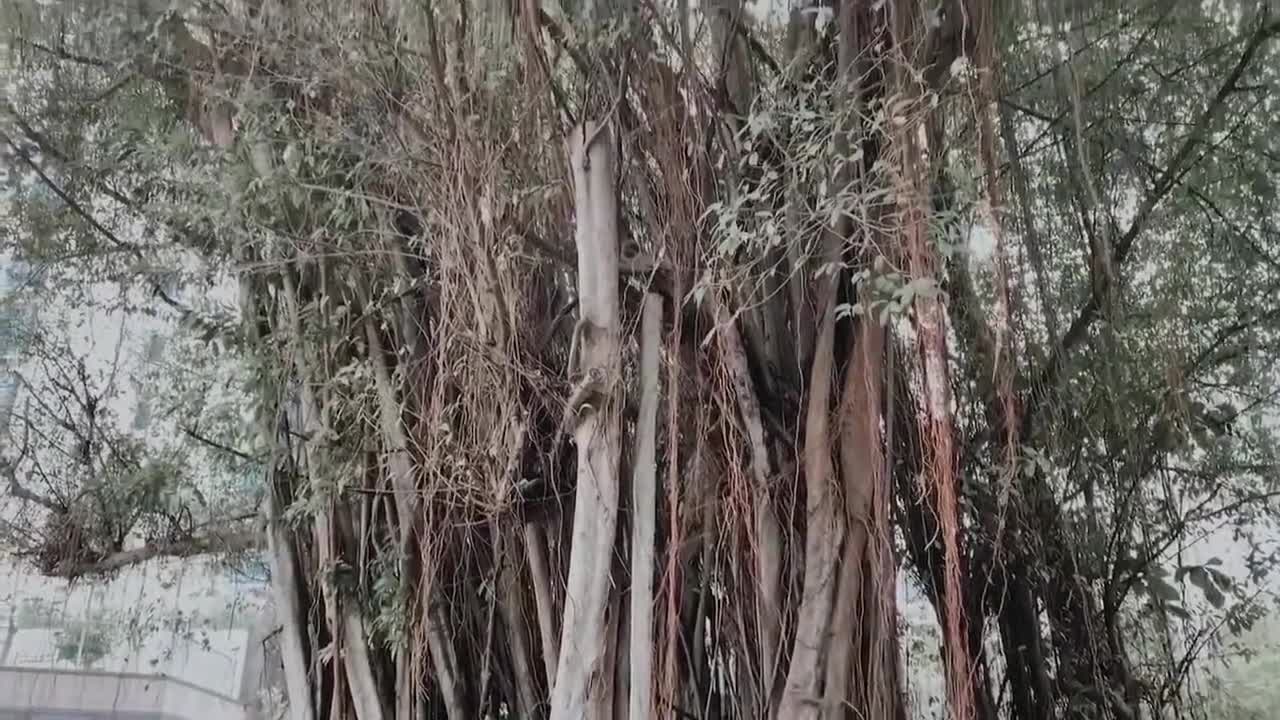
{"x": 143, "y": 602}
{"x": 81, "y": 691}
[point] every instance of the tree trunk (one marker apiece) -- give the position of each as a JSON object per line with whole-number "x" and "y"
{"x": 444, "y": 660}
{"x": 850, "y": 675}
{"x": 823, "y": 533}
{"x": 512, "y": 603}
{"x": 284, "y": 591}
{"x": 540, "y": 577}
{"x": 768, "y": 531}
{"x": 346, "y": 626}
{"x": 644, "y": 511}
{"x": 582, "y": 675}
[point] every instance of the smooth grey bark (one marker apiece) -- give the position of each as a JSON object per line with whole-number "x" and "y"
{"x": 644, "y": 512}
{"x": 540, "y": 576}
{"x": 583, "y": 674}
{"x": 284, "y": 588}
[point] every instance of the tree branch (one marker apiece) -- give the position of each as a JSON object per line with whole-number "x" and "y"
{"x": 9, "y": 470}
{"x": 88, "y": 217}
{"x": 1178, "y": 165}
{"x": 754, "y": 44}
{"x": 21, "y": 492}
{"x": 64, "y": 54}
{"x": 194, "y": 434}
{"x": 219, "y": 542}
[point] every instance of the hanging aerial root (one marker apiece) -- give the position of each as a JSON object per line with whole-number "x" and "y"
{"x": 911, "y": 151}
{"x": 1003, "y": 350}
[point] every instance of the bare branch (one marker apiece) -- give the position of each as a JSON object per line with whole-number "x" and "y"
{"x": 64, "y": 54}
{"x": 21, "y": 492}
{"x": 194, "y": 434}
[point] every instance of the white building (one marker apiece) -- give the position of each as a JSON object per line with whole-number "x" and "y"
{"x": 169, "y": 640}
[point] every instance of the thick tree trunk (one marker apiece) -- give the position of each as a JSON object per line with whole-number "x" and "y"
{"x": 583, "y": 675}
{"x": 349, "y": 637}
{"x": 911, "y": 153}
{"x": 801, "y": 38}
{"x": 445, "y": 662}
{"x": 1030, "y": 687}
{"x": 823, "y": 533}
{"x": 937, "y": 427}
{"x": 286, "y": 580}
{"x": 400, "y": 472}
{"x": 853, "y": 627}
{"x": 511, "y": 602}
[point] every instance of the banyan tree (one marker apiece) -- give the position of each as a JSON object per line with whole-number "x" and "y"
{"x": 624, "y": 360}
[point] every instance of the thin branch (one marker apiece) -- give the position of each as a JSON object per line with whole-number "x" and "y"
{"x": 1178, "y": 165}
{"x": 88, "y": 217}
{"x": 35, "y": 136}
{"x": 194, "y": 434}
{"x": 64, "y": 54}
{"x": 758, "y": 49}
{"x": 558, "y": 34}
{"x": 1032, "y": 112}
{"x": 21, "y": 492}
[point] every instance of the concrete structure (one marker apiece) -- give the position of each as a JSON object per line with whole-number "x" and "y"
{"x": 34, "y": 694}
{"x": 184, "y": 644}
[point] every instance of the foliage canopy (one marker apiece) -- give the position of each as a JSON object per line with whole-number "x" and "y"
{"x": 614, "y": 360}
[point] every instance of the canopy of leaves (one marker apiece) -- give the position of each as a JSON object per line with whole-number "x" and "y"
{"x": 350, "y": 223}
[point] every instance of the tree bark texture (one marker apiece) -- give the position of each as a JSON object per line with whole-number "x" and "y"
{"x": 582, "y": 676}
{"x": 470, "y": 507}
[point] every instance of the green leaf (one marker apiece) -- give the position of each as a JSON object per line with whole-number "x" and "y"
{"x": 1161, "y": 590}
{"x": 1200, "y": 578}
{"x": 1220, "y": 578}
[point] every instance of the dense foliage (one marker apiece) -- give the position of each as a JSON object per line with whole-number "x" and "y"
{"x": 623, "y": 360}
